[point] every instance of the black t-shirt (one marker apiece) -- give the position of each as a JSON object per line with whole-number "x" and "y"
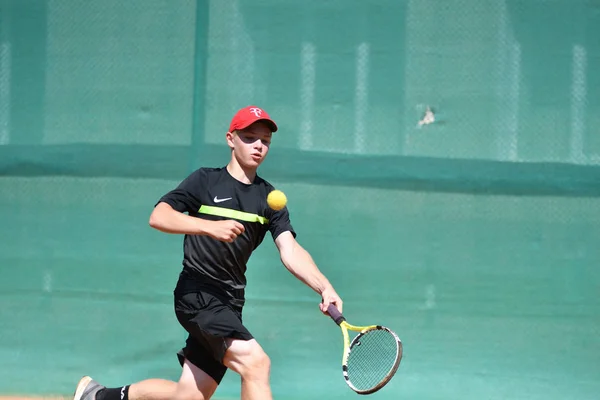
{"x": 212, "y": 265}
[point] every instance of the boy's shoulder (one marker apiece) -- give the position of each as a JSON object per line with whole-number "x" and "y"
{"x": 208, "y": 170}
{"x": 263, "y": 182}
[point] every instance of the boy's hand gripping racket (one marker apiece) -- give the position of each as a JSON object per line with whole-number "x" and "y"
{"x": 372, "y": 358}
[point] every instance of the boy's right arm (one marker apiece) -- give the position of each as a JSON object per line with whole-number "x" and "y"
{"x": 165, "y": 219}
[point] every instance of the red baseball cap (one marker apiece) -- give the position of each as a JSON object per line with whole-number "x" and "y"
{"x": 249, "y": 115}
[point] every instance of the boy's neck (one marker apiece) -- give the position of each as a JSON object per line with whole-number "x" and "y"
{"x": 243, "y": 175}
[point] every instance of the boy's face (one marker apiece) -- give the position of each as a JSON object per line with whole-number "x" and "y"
{"x": 250, "y": 145}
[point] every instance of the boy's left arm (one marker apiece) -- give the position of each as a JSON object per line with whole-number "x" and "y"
{"x": 300, "y": 263}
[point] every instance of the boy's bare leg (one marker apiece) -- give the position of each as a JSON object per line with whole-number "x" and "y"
{"x": 153, "y": 389}
{"x": 194, "y": 384}
{"x": 248, "y": 359}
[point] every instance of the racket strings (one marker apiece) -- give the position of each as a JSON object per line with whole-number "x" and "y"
{"x": 372, "y": 357}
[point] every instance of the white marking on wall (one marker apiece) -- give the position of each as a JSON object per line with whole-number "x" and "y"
{"x": 578, "y": 101}
{"x": 308, "y": 61}
{"x": 5, "y": 61}
{"x": 242, "y": 50}
{"x": 430, "y": 297}
{"x": 508, "y": 80}
{"x": 47, "y": 282}
{"x": 361, "y": 97}
{"x": 514, "y": 91}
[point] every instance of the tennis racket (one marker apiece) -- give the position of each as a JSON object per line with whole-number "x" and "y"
{"x": 372, "y": 358}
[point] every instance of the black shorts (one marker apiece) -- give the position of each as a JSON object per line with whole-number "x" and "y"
{"x": 209, "y": 320}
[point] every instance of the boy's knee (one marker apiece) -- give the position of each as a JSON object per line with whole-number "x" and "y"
{"x": 187, "y": 392}
{"x": 194, "y": 384}
{"x": 255, "y": 360}
{"x": 248, "y": 359}
{"x": 260, "y": 360}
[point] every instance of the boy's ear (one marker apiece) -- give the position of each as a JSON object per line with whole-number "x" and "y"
{"x": 229, "y": 137}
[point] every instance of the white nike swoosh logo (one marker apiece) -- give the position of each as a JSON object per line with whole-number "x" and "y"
{"x": 217, "y": 200}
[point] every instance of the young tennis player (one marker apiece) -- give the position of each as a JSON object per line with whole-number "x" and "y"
{"x": 227, "y": 219}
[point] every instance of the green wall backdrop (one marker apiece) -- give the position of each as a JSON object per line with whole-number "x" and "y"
{"x": 476, "y": 237}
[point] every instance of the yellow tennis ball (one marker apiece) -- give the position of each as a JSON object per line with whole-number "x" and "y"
{"x": 276, "y": 200}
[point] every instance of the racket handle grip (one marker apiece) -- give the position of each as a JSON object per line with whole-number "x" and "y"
{"x": 335, "y": 314}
